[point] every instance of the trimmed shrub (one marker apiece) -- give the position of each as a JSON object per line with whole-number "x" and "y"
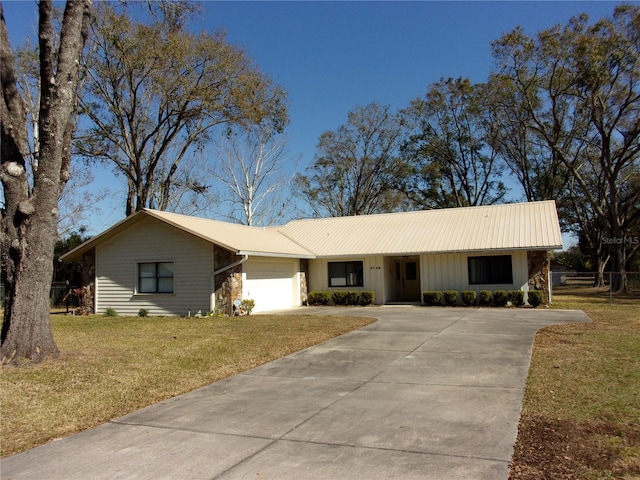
{"x": 469, "y": 297}
{"x": 484, "y": 298}
{"x": 500, "y": 298}
{"x": 367, "y": 297}
{"x": 248, "y": 305}
{"x": 536, "y": 298}
{"x": 432, "y": 297}
{"x": 110, "y": 312}
{"x": 352, "y": 297}
{"x": 450, "y": 297}
{"x": 318, "y": 298}
{"x": 339, "y": 297}
{"x": 143, "y": 312}
{"x": 516, "y": 297}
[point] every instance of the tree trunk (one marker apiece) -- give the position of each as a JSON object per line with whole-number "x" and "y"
{"x": 29, "y": 219}
{"x": 28, "y": 330}
{"x": 618, "y": 268}
{"x": 600, "y": 264}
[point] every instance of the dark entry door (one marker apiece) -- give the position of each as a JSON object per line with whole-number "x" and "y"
{"x": 407, "y": 280}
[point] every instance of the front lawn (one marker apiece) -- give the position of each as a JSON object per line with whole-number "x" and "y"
{"x": 581, "y": 413}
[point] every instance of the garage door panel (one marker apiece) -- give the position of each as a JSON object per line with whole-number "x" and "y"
{"x": 270, "y": 284}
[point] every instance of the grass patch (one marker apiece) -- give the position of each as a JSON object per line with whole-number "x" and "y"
{"x": 581, "y": 411}
{"x": 110, "y": 366}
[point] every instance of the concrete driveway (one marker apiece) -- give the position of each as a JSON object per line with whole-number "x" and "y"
{"x": 423, "y": 393}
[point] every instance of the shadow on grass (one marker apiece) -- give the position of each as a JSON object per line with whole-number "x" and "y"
{"x": 594, "y": 296}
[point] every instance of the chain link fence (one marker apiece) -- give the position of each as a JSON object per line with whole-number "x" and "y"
{"x": 611, "y": 282}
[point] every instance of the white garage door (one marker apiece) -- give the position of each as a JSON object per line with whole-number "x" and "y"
{"x": 270, "y": 284}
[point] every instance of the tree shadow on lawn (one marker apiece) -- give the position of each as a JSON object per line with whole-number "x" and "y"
{"x": 594, "y": 296}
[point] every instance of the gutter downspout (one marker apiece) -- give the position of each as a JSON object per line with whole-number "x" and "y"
{"x": 212, "y": 297}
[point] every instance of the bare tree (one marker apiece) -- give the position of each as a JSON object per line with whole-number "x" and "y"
{"x": 355, "y": 171}
{"x": 75, "y": 200}
{"x": 448, "y": 157}
{"x": 30, "y": 214}
{"x": 255, "y": 172}
{"x": 155, "y": 92}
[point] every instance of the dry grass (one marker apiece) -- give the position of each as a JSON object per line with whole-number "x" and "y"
{"x": 581, "y": 414}
{"x": 111, "y": 366}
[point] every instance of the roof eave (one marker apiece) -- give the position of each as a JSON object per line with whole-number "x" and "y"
{"x": 440, "y": 252}
{"x": 276, "y": 254}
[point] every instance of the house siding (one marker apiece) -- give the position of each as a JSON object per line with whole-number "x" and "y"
{"x": 154, "y": 241}
{"x": 437, "y": 272}
{"x": 450, "y": 272}
{"x": 373, "y": 275}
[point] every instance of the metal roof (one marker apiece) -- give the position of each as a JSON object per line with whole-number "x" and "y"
{"x": 241, "y": 239}
{"x": 532, "y": 225}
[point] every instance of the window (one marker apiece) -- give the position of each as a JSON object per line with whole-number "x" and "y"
{"x": 345, "y": 274}
{"x": 156, "y": 277}
{"x": 490, "y": 270}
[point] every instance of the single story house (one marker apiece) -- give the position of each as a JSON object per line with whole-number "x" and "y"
{"x": 170, "y": 264}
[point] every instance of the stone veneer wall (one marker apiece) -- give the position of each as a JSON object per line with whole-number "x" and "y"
{"x": 539, "y": 272}
{"x": 228, "y": 284}
{"x": 304, "y": 275}
{"x": 88, "y": 278}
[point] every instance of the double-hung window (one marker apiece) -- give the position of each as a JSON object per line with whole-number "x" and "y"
{"x": 490, "y": 270}
{"x": 155, "y": 277}
{"x": 345, "y": 274}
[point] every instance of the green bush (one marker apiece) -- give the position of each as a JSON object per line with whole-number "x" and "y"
{"x": 353, "y": 297}
{"x": 450, "y": 297}
{"x": 318, "y": 298}
{"x": 468, "y": 297}
{"x": 536, "y": 298}
{"x": 432, "y": 297}
{"x": 367, "y": 297}
{"x": 143, "y": 312}
{"x": 516, "y": 297}
{"x": 484, "y": 298}
{"x": 110, "y": 312}
{"x": 339, "y": 297}
{"x": 500, "y": 298}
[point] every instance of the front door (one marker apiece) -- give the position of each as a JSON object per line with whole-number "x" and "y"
{"x": 407, "y": 280}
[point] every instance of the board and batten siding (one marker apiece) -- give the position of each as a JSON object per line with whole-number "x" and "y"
{"x": 450, "y": 271}
{"x": 373, "y": 273}
{"x": 154, "y": 241}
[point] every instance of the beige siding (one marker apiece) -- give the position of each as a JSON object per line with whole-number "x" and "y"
{"x": 154, "y": 241}
{"x": 449, "y": 272}
{"x": 373, "y": 271}
{"x": 437, "y": 272}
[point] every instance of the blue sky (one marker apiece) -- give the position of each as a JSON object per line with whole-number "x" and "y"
{"x": 332, "y": 56}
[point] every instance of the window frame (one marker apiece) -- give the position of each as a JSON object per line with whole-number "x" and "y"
{"x": 493, "y": 276}
{"x": 358, "y": 271}
{"x": 157, "y": 278}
